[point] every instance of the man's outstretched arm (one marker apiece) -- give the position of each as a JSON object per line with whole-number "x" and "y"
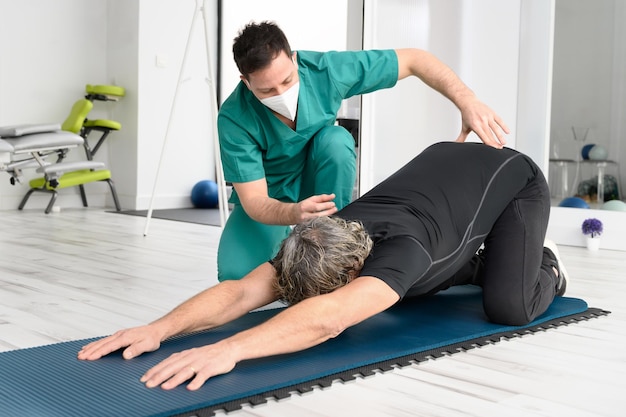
{"x": 298, "y": 327}
{"x": 211, "y": 308}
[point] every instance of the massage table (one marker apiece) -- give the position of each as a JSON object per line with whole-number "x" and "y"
{"x": 23, "y": 147}
{"x": 31, "y": 146}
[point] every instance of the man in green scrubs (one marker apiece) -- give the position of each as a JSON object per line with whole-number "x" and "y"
{"x": 280, "y": 147}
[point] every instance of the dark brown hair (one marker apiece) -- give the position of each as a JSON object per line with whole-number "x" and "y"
{"x": 257, "y": 45}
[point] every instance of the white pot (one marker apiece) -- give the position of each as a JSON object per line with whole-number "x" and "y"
{"x": 593, "y": 243}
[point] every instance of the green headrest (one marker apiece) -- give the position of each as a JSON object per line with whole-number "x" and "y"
{"x": 78, "y": 114}
{"x": 110, "y": 91}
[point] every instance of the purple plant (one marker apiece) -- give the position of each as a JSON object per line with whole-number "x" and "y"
{"x": 592, "y": 227}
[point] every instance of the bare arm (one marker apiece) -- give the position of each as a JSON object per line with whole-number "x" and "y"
{"x": 213, "y": 307}
{"x": 299, "y": 327}
{"x": 476, "y": 116}
{"x": 264, "y": 209}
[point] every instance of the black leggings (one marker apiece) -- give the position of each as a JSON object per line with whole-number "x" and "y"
{"x": 516, "y": 286}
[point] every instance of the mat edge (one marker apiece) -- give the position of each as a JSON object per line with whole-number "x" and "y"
{"x": 388, "y": 365}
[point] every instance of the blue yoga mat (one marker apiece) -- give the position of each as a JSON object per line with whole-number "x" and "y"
{"x": 50, "y": 381}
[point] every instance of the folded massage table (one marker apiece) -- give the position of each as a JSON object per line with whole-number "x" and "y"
{"x": 30, "y": 146}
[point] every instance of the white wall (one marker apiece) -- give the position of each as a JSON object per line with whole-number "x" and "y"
{"x": 507, "y": 60}
{"x": 64, "y": 44}
{"x": 320, "y": 25}
{"x": 122, "y": 69}
{"x": 102, "y": 42}
{"x": 164, "y": 28}
{"x": 589, "y": 86}
{"x": 589, "y": 89}
{"x": 147, "y": 44}
{"x": 400, "y": 122}
{"x": 119, "y": 41}
{"x": 618, "y": 107}
{"x": 49, "y": 51}
{"x": 535, "y": 79}
{"x": 583, "y": 56}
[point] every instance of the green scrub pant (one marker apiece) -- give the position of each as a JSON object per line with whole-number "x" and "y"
{"x": 330, "y": 168}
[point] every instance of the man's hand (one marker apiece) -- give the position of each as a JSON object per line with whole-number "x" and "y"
{"x": 197, "y": 364}
{"x": 315, "y": 206}
{"x": 483, "y": 121}
{"x": 264, "y": 209}
{"x": 137, "y": 340}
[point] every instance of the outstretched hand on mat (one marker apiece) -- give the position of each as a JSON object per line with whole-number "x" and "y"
{"x": 136, "y": 340}
{"x": 197, "y": 364}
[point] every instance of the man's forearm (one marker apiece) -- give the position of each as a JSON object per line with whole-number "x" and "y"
{"x": 297, "y": 328}
{"x": 268, "y": 210}
{"x": 219, "y": 304}
{"x": 203, "y": 311}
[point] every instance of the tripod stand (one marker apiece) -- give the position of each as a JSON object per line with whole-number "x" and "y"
{"x": 199, "y": 12}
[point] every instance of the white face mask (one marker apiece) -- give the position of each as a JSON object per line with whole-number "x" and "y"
{"x": 286, "y": 103}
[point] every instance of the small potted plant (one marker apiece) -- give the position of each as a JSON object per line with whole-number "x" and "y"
{"x": 592, "y": 228}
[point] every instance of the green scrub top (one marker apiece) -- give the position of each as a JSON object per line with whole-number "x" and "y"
{"x": 255, "y": 144}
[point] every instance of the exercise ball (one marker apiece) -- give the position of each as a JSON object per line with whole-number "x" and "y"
{"x": 614, "y": 205}
{"x": 574, "y": 202}
{"x": 585, "y": 151}
{"x": 204, "y": 194}
{"x": 598, "y": 153}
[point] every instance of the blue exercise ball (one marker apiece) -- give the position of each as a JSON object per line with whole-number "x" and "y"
{"x": 205, "y": 194}
{"x": 614, "y": 205}
{"x": 586, "y": 149}
{"x": 574, "y": 202}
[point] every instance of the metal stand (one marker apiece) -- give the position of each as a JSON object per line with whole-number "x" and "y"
{"x": 200, "y": 11}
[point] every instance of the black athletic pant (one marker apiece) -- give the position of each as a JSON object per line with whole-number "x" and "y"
{"x": 516, "y": 286}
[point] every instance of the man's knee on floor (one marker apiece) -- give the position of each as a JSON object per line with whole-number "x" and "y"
{"x": 510, "y": 312}
{"x": 333, "y": 143}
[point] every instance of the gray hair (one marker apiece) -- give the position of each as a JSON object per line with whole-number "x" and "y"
{"x": 319, "y": 256}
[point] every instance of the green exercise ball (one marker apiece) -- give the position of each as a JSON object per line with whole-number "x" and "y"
{"x": 614, "y": 205}
{"x": 598, "y": 153}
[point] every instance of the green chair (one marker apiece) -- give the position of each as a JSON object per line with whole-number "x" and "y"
{"x": 61, "y": 175}
{"x": 102, "y": 126}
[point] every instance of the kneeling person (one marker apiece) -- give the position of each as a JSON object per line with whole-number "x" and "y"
{"x": 456, "y": 214}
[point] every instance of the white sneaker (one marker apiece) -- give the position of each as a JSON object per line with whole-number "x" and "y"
{"x": 552, "y": 251}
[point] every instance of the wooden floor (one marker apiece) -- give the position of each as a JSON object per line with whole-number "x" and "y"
{"x": 84, "y": 273}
